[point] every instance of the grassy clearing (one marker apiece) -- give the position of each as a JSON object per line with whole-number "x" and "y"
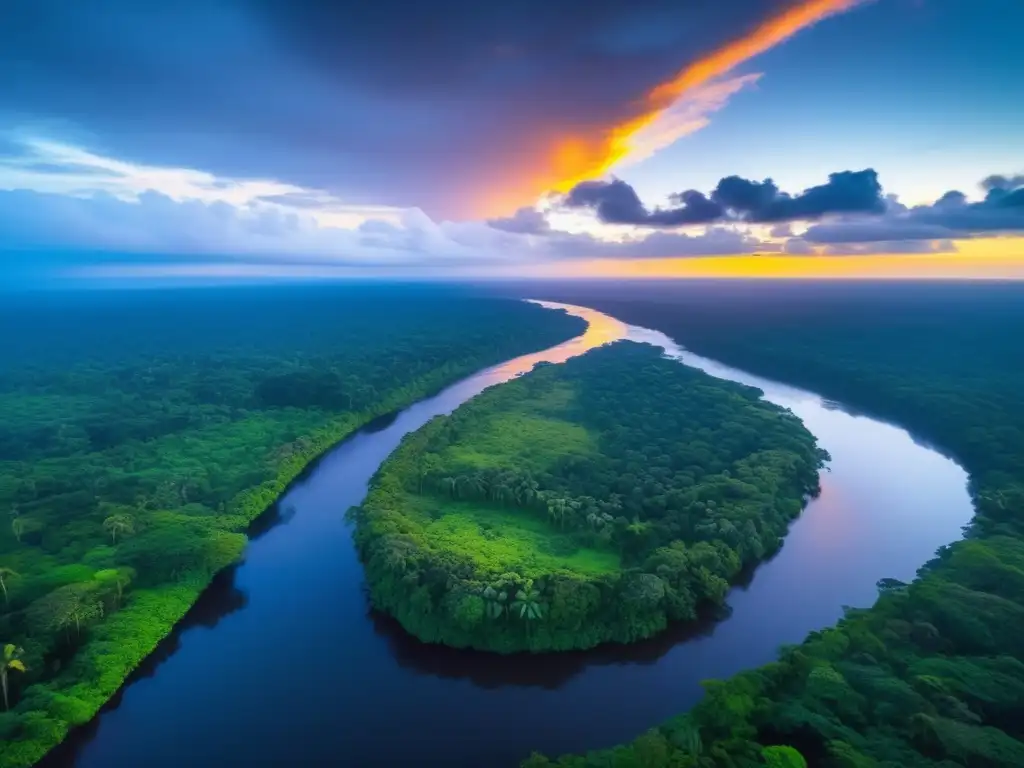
{"x": 498, "y": 539}
{"x": 520, "y": 440}
{"x": 528, "y": 435}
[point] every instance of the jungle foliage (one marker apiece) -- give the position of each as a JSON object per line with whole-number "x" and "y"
{"x": 142, "y": 432}
{"x": 933, "y": 674}
{"x": 583, "y": 503}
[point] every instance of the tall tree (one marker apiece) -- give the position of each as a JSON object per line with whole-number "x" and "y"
{"x": 6, "y": 573}
{"x": 11, "y": 660}
{"x": 527, "y": 602}
{"x": 18, "y": 527}
{"x": 119, "y": 523}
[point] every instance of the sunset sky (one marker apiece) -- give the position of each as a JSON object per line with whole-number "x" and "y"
{"x": 238, "y": 139}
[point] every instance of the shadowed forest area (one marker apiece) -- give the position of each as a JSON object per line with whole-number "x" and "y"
{"x": 142, "y": 433}
{"x": 583, "y": 503}
{"x": 933, "y": 674}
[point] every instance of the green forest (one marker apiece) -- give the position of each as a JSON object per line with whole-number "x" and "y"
{"x": 582, "y": 503}
{"x": 933, "y": 674}
{"x": 142, "y": 433}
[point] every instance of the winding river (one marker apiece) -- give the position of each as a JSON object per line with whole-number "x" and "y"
{"x": 280, "y": 662}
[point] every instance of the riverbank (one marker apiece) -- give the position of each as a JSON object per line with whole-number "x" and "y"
{"x": 303, "y": 579}
{"x": 596, "y": 501}
{"x": 934, "y": 670}
{"x": 163, "y": 560}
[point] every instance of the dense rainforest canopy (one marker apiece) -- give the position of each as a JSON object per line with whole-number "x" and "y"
{"x": 142, "y": 432}
{"x": 933, "y": 674}
{"x": 583, "y": 503}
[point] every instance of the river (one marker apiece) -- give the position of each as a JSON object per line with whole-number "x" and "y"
{"x": 281, "y": 663}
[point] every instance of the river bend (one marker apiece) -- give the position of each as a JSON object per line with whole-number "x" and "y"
{"x": 280, "y": 662}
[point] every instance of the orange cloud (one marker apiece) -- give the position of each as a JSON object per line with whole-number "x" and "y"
{"x": 685, "y": 116}
{"x": 769, "y": 34}
{"x": 577, "y": 158}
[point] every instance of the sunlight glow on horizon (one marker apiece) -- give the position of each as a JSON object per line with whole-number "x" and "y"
{"x": 1002, "y": 261}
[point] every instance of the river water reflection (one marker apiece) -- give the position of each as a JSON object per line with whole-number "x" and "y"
{"x": 280, "y": 662}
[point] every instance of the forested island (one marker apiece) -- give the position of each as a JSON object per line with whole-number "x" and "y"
{"x": 933, "y": 674}
{"x": 589, "y": 502}
{"x": 142, "y": 433}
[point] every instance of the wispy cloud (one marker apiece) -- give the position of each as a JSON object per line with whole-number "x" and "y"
{"x": 52, "y": 166}
{"x": 44, "y": 165}
{"x": 687, "y": 115}
{"x": 767, "y": 35}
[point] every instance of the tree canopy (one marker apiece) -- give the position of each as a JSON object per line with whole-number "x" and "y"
{"x": 141, "y": 434}
{"x": 933, "y": 674}
{"x": 583, "y": 503}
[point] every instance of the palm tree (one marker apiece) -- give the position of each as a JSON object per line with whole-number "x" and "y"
{"x": 487, "y": 486}
{"x": 188, "y": 481}
{"x": 119, "y": 578}
{"x": 531, "y": 488}
{"x": 423, "y": 468}
{"x": 476, "y": 485}
{"x": 495, "y": 601}
{"x": 557, "y": 509}
{"x": 5, "y": 573}
{"x": 572, "y": 511}
{"x": 119, "y": 523}
{"x": 499, "y": 492}
{"x": 528, "y": 603}
{"x": 18, "y": 527}
{"x": 79, "y": 607}
{"x": 553, "y": 511}
{"x": 450, "y": 485}
{"x": 11, "y": 660}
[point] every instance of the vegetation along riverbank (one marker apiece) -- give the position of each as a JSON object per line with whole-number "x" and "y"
{"x": 582, "y": 503}
{"x": 933, "y": 674}
{"x": 141, "y": 434}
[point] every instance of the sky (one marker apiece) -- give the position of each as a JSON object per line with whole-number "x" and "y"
{"x": 272, "y": 139}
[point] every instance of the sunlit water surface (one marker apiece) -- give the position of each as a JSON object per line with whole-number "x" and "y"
{"x": 281, "y": 663}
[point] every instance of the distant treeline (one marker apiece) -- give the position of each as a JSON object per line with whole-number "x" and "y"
{"x": 582, "y": 503}
{"x": 142, "y": 433}
{"x": 933, "y": 674}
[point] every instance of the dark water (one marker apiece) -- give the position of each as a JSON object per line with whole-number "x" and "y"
{"x": 280, "y": 663}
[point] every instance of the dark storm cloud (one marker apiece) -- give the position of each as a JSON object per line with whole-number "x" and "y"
{"x": 733, "y": 199}
{"x": 387, "y": 102}
{"x": 874, "y": 230}
{"x": 998, "y": 181}
{"x": 853, "y": 201}
{"x": 615, "y": 202}
{"x": 952, "y": 216}
{"x": 845, "y": 192}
